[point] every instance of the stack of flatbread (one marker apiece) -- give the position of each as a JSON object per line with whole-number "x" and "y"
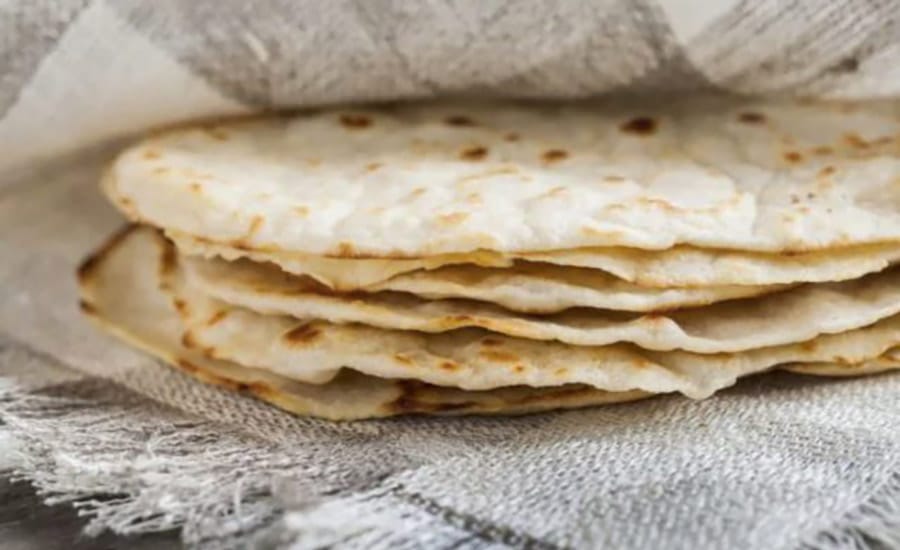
{"x": 508, "y": 257}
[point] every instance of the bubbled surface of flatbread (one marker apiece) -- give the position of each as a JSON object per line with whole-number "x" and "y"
{"x": 426, "y": 179}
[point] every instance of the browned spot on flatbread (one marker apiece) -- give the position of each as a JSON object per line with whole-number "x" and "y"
{"x": 827, "y": 171}
{"x": 823, "y": 150}
{"x": 518, "y": 368}
{"x": 489, "y": 342}
{"x": 181, "y": 306}
{"x": 409, "y": 402}
{"x": 613, "y": 178}
{"x": 551, "y": 156}
{"x": 561, "y": 371}
{"x": 752, "y": 118}
{"x": 404, "y": 359}
{"x": 217, "y": 317}
{"x": 188, "y": 341}
{"x": 301, "y": 211}
{"x": 302, "y": 334}
{"x": 793, "y": 157}
{"x": 474, "y": 153}
{"x": 354, "y": 121}
{"x": 555, "y": 192}
{"x": 454, "y": 218}
{"x": 346, "y": 250}
{"x": 856, "y": 141}
{"x": 151, "y": 154}
{"x": 474, "y": 198}
{"x": 641, "y": 126}
{"x": 371, "y": 167}
{"x": 512, "y": 136}
{"x": 498, "y": 356}
{"x": 417, "y": 192}
{"x": 87, "y": 266}
{"x": 449, "y": 366}
{"x": 459, "y": 120}
{"x": 809, "y": 346}
{"x": 195, "y": 187}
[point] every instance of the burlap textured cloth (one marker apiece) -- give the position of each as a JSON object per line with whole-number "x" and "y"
{"x": 777, "y": 462}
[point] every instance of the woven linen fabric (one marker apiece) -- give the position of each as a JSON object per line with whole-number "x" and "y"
{"x": 779, "y": 461}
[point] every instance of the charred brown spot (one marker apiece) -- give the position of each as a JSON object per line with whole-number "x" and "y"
{"x": 371, "y": 167}
{"x": 151, "y": 154}
{"x": 474, "y": 153}
{"x": 195, "y": 187}
{"x": 453, "y": 218}
{"x": 87, "y": 307}
{"x": 795, "y": 199}
{"x": 512, "y": 136}
{"x": 355, "y": 121}
{"x": 855, "y": 140}
{"x": 556, "y": 191}
{"x": 408, "y": 402}
{"x": 188, "y": 341}
{"x": 793, "y": 157}
{"x": 554, "y": 155}
{"x": 417, "y": 192}
{"x": 809, "y": 345}
{"x": 301, "y": 211}
{"x": 169, "y": 260}
{"x": 181, "y": 306}
{"x": 217, "y": 318}
{"x": 519, "y": 368}
{"x": 823, "y": 150}
{"x": 827, "y": 171}
{"x": 346, "y": 249}
{"x": 449, "y": 366}
{"x": 491, "y": 342}
{"x": 303, "y": 334}
{"x": 498, "y": 356}
{"x": 561, "y": 371}
{"x": 403, "y": 359}
{"x": 459, "y": 120}
{"x": 752, "y": 118}
{"x": 642, "y": 126}
{"x": 614, "y": 179}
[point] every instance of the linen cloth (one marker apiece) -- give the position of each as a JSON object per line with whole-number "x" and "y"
{"x": 779, "y": 461}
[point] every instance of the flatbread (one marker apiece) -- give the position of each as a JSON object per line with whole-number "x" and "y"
{"x": 545, "y": 288}
{"x": 120, "y": 290}
{"x": 314, "y": 351}
{"x": 887, "y": 362}
{"x": 795, "y": 315}
{"x": 681, "y": 266}
{"x": 420, "y": 180}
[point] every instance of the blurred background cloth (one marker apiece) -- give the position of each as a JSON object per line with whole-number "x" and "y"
{"x": 777, "y": 462}
{"x": 75, "y": 72}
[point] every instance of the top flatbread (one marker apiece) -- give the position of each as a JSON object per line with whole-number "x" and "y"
{"x": 426, "y": 179}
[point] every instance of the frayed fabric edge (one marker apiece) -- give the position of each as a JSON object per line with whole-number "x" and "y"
{"x": 71, "y": 450}
{"x": 873, "y": 524}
